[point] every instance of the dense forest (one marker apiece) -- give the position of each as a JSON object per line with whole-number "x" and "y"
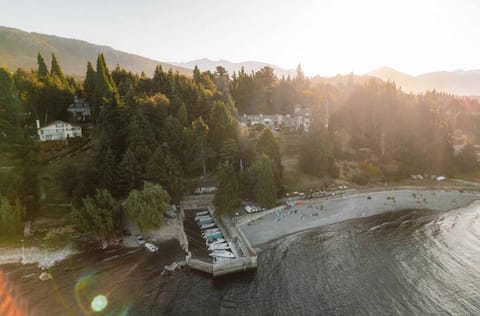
{"x": 150, "y": 137}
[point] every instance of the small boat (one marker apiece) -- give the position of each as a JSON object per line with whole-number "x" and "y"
{"x": 222, "y": 246}
{"x": 222, "y": 254}
{"x": 205, "y": 221}
{"x": 214, "y": 236}
{"x": 201, "y": 218}
{"x": 215, "y": 241}
{"x": 210, "y": 231}
{"x": 205, "y": 226}
{"x": 151, "y": 247}
{"x": 208, "y": 228}
{"x": 202, "y": 213}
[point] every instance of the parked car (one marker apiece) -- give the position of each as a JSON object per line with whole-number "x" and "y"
{"x": 140, "y": 239}
{"x": 151, "y": 247}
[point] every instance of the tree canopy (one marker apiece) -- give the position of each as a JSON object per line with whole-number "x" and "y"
{"x": 146, "y": 207}
{"x": 98, "y": 215}
{"x": 227, "y": 196}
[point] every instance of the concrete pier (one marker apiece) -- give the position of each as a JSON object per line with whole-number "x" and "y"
{"x": 246, "y": 257}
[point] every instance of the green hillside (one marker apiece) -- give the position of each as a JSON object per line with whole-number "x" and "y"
{"x": 18, "y": 49}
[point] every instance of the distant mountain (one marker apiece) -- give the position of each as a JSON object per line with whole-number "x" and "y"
{"x": 459, "y": 82}
{"x": 19, "y": 49}
{"x": 205, "y": 64}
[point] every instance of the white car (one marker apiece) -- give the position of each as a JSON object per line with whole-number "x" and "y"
{"x": 151, "y": 247}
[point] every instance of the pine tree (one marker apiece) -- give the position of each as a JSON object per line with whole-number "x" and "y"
{"x": 42, "y": 69}
{"x": 107, "y": 72}
{"x": 267, "y": 144}
{"x": 105, "y": 89}
{"x": 200, "y": 133}
{"x": 89, "y": 82}
{"x": 161, "y": 82}
{"x": 108, "y": 168}
{"x": 165, "y": 169}
{"x": 222, "y": 126}
{"x": 141, "y": 143}
{"x": 227, "y": 196}
{"x": 56, "y": 71}
{"x": 182, "y": 115}
{"x": 196, "y": 74}
{"x": 265, "y": 188}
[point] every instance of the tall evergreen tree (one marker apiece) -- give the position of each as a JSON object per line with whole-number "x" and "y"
{"x": 161, "y": 81}
{"x": 196, "y": 74}
{"x": 263, "y": 173}
{"x": 56, "y": 71}
{"x": 105, "y": 89}
{"x": 227, "y": 196}
{"x": 43, "y": 74}
{"x": 222, "y": 126}
{"x": 141, "y": 143}
{"x": 200, "y": 133}
{"x": 165, "y": 169}
{"x": 182, "y": 115}
{"x": 267, "y": 144}
{"x": 108, "y": 169}
{"x": 89, "y": 82}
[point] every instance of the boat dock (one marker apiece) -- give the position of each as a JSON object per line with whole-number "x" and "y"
{"x": 245, "y": 256}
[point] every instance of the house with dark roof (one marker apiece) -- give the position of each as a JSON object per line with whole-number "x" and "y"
{"x": 80, "y": 109}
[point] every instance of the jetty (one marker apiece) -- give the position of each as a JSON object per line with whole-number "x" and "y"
{"x": 245, "y": 255}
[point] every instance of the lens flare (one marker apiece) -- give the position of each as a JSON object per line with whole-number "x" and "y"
{"x": 99, "y": 303}
{"x": 8, "y": 304}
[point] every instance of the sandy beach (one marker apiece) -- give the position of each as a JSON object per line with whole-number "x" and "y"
{"x": 280, "y": 222}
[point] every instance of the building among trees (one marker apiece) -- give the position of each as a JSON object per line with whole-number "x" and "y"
{"x": 80, "y": 109}
{"x": 58, "y": 130}
{"x": 291, "y": 122}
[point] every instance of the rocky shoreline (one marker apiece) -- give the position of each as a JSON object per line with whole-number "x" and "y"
{"x": 44, "y": 258}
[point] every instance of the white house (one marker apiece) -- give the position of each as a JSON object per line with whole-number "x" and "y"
{"x": 267, "y": 120}
{"x": 58, "y": 130}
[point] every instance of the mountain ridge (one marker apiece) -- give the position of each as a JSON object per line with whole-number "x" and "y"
{"x": 459, "y": 82}
{"x": 205, "y": 64}
{"x": 18, "y": 49}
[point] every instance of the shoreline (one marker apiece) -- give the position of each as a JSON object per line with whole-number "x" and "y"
{"x": 43, "y": 258}
{"x": 267, "y": 227}
{"x": 46, "y": 258}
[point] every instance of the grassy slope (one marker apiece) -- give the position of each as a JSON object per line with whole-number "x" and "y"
{"x": 19, "y": 49}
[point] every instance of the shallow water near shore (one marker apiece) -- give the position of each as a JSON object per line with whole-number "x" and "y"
{"x": 404, "y": 263}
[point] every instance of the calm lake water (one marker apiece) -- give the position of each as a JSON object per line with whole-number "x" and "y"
{"x": 404, "y": 263}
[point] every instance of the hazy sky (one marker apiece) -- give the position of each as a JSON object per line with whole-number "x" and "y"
{"x": 326, "y": 36}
